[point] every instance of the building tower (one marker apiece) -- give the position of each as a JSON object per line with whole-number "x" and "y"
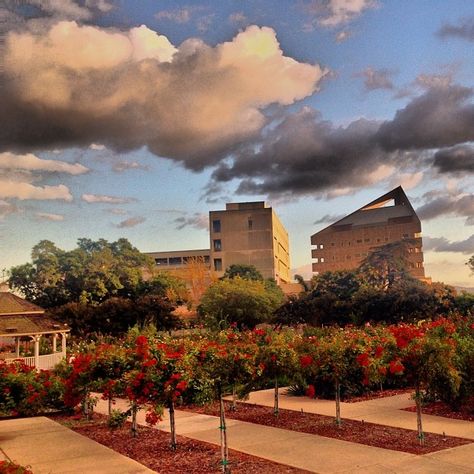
{"x": 249, "y": 233}
{"x": 389, "y": 218}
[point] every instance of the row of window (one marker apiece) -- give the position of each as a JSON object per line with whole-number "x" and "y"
{"x": 172, "y": 261}
{"x": 217, "y": 228}
{"x": 366, "y": 241}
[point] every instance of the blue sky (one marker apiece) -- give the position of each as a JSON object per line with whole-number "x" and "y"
{"x": 134, "y": 119}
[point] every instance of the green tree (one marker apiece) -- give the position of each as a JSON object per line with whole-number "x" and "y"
{"x": 245, "y": 303}
{"x": 470, "y": 264}
{"x": 90, "y": 273}
{"x": 246, "y": 272}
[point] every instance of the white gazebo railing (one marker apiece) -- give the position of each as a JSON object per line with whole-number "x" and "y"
{"x": 45, "y": 362}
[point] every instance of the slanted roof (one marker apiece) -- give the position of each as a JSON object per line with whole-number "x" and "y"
{"x": 392, "y": 205}
{"x": 19, "y": 317}
{"x": 12, "y": 304}
{"x": 28, "y": 324}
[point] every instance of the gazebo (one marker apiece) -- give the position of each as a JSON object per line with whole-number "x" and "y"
{"x": 21, "y": 320}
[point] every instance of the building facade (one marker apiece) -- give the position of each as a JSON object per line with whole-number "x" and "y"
{"x": 249, "y": 233}
{"x": 388, "y": 219}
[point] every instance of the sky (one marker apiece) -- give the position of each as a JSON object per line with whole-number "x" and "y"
{"x": 134, "y": 118}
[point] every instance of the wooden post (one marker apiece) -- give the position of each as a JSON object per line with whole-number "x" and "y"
{"x": 63, "y": 344}
{"x": 338, "y": 403}
{"x": 172, "y": 425}
{"x": 17, "y": 347}
{"x": 36, "y": 339}
{"x": 55, "y": 338}
{"x": 276, "y": 409}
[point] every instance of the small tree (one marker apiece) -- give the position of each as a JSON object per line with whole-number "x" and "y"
{"x": 246, "y": 272}
{"x": 243, "y": 302}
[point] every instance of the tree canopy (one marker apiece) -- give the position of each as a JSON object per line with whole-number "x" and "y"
{"x": 90, "y": 273}
{"x": 246, "y": 272}
{"x": 245, "y": 303}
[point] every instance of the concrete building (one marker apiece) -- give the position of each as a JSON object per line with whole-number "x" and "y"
{"x": 244, "y": 233}
{"x": 389, "y": 218}
{"x": 249, "y": 233}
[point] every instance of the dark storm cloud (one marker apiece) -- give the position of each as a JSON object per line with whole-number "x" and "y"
{"x": 441, "y": 117}
{"x": 459, "y": 206}
{"x": 441, "y": 244}
{"x": 305, "y": 154}
{"x": 456, "y": 160}
{"x": 464, "y": 29}
{"x": 134, "y": 88}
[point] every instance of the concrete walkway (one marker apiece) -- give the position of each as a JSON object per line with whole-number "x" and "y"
{"x": 314, "y": 453}
{"x": 50, "y": 448}
{"x": 383, "y": 411}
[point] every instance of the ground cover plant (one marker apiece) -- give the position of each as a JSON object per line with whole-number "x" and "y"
{"x": 155, "y": 371}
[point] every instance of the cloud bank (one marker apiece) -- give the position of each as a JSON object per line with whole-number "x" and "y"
{"x": 74, "y": 85}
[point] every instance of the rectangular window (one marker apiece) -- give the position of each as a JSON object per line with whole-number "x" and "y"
{"x": 218, "y": 264}
{"x": 366, "y": 240}
{"x": 161, "y": 261}
{"x": 359, "y": 241}
{"x": 175, "y": 261}
{"x": 206, "y": 259}
{"x": 405, "y": 236}
{"x": 321, "y": 246}
{"x": 322, "y": 259}
{"x": 316, "y": 260}
{"x": 217, "y": 245}
{"x": 250, "y": 222}
{"x": 216, "y": 226}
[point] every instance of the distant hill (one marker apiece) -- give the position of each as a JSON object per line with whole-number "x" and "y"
{"x": 467, "y": 289}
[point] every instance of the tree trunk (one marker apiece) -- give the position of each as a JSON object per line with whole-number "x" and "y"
{"x": 87, "y": 408}
{"x": 338, "y": 403}
{"x": 276, "y": 410}
{"x": 234, "y": 398}
{"x": 223, "y": 430}
{"x": 421, "y": 435}
{"x": 172, "y": 425}
{"x": 134, "y": 419}
{"x": 110, "y": 405}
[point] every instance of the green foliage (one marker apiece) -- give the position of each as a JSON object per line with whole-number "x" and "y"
{"x": 245, "y": 303}
{"x": 116, "y": 315}
{"x": 117, "y": 419}
{"x": 470, "y": 264}
{"x": 246, "y": 272}
{"x": 90, "y": 273}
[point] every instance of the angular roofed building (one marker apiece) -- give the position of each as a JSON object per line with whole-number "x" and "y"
{"x": 389, "y": 218}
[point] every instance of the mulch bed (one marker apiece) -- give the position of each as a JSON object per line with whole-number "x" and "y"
{"x": 152, "y": 449}
{"x": 465, "y": 413}
{"x": 377, "y": 394}
{"x": 370, "y": 434}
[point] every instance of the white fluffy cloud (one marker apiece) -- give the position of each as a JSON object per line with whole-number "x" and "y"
{"x": 30, "y": 162}
{"x": 104, "y": 199}
{"x": 332, "y": 13}
{"x": 22, "y": 190}
{"x": 50, "y": 217}
{"x": 77, "y": 85}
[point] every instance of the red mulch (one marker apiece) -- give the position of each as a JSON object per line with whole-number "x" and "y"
{"x": 377, "y": 394}
{"x": 152, "y": 449}
{"x": 465, "y": 413}
{"x": 370, "y": 434}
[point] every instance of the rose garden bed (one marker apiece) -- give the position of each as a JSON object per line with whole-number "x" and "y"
{"x": 370, "y": 434}
{"x": 152, "y": 449}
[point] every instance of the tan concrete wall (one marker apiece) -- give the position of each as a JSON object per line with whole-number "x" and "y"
{"x": 250, "y": 236}
{"x": 346, "y": 249}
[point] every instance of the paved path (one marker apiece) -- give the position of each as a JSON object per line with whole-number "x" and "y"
{"x": 384, "y": 411}
{"x": 50, "y": 448}
{"x": 316, "y": 453}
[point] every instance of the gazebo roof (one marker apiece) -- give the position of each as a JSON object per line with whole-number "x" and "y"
{"x": 19, "y": 317}
{"x": 12, "y": 304}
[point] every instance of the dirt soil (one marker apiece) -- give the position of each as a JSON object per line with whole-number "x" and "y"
{"x": 370, "y": 434}
{"x": 152, "y": 449}
{"x": 465, "y": 413}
